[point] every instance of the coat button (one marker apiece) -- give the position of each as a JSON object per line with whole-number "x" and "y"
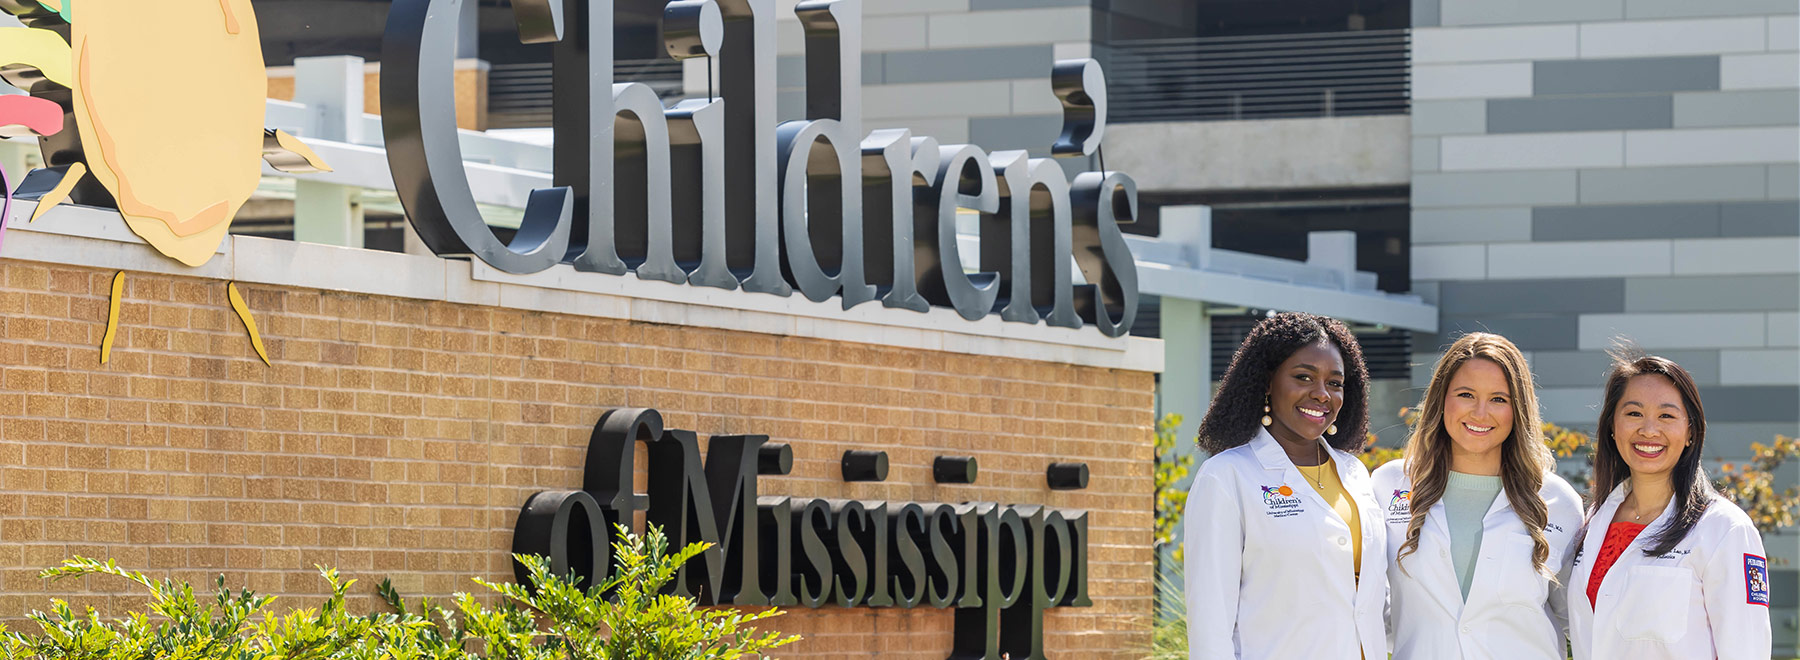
{"x": 1443, "y": 553}
{"x": 1465, "y": 630}
{"x": 1343, "y": 541}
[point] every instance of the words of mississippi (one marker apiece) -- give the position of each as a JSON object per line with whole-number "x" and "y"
{"x": 1000, "y": 566}
{"x": 713, "y": 192}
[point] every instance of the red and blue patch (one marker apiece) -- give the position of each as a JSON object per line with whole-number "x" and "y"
{"x": 1756, "y": 580}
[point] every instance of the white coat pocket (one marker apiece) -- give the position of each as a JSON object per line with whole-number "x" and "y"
{"x": 1521, "y": 584}
{"x": 1653, "y": 605}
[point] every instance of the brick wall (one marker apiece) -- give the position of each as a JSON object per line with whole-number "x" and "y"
{"x": 396, "y": 439}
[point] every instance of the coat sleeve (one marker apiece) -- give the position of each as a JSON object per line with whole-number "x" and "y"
{"x": 1736, "y": 589}
{"x": 1564, "y": 512}
{"x": 1213, "y": 531}
{"x": 1558, "y": 605}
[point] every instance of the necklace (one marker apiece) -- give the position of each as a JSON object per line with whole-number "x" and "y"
{"x": 1318, "y": 475}
{"x": 1638, "y": 511}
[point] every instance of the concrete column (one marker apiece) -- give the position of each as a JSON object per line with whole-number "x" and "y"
{"x": 1185, "y": 387}
{"x": 332, "y": 89}
{"x": 327, "y": 213}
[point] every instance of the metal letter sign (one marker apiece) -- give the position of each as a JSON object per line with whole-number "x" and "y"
{"x": 712, "y": 192}
{"x": 999, "y": 565}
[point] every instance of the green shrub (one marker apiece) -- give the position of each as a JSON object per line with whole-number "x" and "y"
{"x": 624, "y": 618}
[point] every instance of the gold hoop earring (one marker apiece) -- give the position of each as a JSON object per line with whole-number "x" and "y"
{"x": 1266, "y": 420}
{"x": 1331, "y": 430}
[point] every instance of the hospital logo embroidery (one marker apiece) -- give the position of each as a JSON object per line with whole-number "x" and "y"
{"x": 1400, "y": 506}
{"x": 1756, "y": 580}
{"x": 1280, "y": 501}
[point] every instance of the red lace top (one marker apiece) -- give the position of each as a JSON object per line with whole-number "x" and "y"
{"x": 1618, "y": 536}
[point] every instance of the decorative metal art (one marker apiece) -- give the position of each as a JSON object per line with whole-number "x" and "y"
{"x": 1000, "y": 566}
{"x": 176, "y": 171}
{"x": 22, "y": 116}
{"x": 714, "y": 193}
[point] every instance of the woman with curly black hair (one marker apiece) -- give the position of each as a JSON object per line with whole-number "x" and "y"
{"x": 1278, "y": 518}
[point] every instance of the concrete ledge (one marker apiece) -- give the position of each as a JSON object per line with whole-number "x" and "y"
{"x": 97, "y": 238}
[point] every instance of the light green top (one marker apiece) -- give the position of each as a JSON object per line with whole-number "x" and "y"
{"x": 1467, "y": 499}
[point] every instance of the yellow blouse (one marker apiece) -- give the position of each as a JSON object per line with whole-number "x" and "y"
{"x": 1324, "y": 477}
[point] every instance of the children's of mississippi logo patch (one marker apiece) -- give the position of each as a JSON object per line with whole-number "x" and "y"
{"x": 1281, "y": 502}
{"x": 1399, "y": 506}
{"x": 1756, "y": 580}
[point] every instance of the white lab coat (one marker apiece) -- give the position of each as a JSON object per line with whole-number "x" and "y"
{"x": 1707, "y": 598}
{"x": 1272, "y": 576}
{"x": 1512, "y": 612}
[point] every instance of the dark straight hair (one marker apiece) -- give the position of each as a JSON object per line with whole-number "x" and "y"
{"x": 1693, "y": 491}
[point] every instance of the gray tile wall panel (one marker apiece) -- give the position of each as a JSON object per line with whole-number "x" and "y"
{"x": 1730, "y": 293}
{"x": 1449, "y": 117}
{"x": 1759, "y": 219}
{"x": 1593, "y": 113}
{"x": 886, "y": 7}
{"x": 1490, "y": 12}
{"x": 1686, "y": 8}
{"x": 1425, "y": 154}
{"x": 1539, "y": 187}
{"x": 985, "y": 5}
{"x": 1532, "y": 333}
{"x": 1588, "y": 368}
{"x": 790, "y": 70}
{"x": 959, "y": 64}
{"x": 1784, "y": 182}
{"x": 1483, "y": 225}
{"x": 1731, "y": 440}
{"x": 1749, "y": 108}
{"x": 1033, "y": 132}
{"x": 1426, "y": 291}
{"x": 790, "y": 105}
{"x": 1625, "y": 76}
{"x": 1750, "y": 403}
{"x": 1673, "y": 184}
{"x": 1629, "y": 221}
{"x": 1425, "y": 13}
{"x": 1572, "y": 296}
{"x": 872, "y": 69}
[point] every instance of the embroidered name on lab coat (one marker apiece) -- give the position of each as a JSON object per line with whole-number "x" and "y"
{"x": 1280, "y": 501}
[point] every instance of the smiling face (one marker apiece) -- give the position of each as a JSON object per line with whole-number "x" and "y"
{"x": 1478, "y": 412}
{"x": 1650, "y": 425}
{"x": 1306, "y": 393}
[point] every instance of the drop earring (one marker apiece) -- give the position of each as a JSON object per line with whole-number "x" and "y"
{"x": 1266, "y": 420}
{"x": 1331, "y": 430}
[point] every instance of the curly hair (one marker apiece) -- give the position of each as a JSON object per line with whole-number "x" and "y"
{"x": 1236, "y": 411}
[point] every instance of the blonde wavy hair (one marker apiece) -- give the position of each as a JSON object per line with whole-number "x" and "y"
{"x": 1525, "y": 459}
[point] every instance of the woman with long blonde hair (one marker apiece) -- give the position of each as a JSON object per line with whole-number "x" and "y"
{"x": 1479, "y": 524}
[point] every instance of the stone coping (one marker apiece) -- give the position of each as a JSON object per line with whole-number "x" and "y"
{"x": 98, "y": 238}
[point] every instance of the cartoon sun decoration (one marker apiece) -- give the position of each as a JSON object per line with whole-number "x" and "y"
{"x": 178, "y": 169}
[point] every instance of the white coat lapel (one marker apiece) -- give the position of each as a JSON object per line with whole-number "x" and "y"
{"x": 1590, "y": 548}
{"x": 1496, "y": 527}
{"x": 1436, "y": 569}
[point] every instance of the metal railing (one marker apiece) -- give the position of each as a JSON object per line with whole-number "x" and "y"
{"x": 1326, "y": 74}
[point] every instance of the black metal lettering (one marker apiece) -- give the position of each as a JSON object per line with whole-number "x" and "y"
{"x": 1103, "y": 201}
{"x": 909, "y": 530}
{"x": 812, "y": 582}
{"x": 425, "y": 156}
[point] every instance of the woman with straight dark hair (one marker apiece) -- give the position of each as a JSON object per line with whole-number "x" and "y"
{"x": 1668, "y": 568}
{"x": 1479, "y": 524}
{"x": 1279, "y": 518}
